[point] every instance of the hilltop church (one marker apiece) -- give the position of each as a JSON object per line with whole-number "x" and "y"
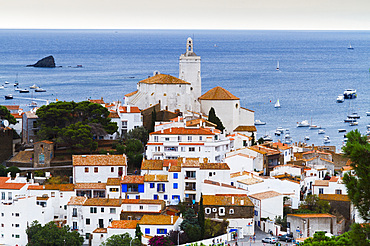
{"x": 184, "y": 94}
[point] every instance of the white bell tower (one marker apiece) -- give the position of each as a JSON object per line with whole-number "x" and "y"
{"x": 189, "y": 70}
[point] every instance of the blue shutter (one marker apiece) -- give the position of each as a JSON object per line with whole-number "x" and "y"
{"x": 155, "y": 197}
{"x": 164, "y": 187}
{"x": 124, "y": 188}
{"x": 147, "y": 230}
{"x": 175, "y": 175}
{"x": 175, "y": 186}
{"x": 165, "y": 231}
{"x": 165, "y": 197}
{"x": 157, "y": 231}
{"x": 141, "y": 188}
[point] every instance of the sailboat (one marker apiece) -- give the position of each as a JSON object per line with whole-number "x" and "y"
{"x": 277, "y": 66}
{"x": 277, "y": 104}
{"x": 350, "y": 47}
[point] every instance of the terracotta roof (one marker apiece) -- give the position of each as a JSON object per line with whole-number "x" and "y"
{"x": 133, "y": 179}
{"x": 157, "y": 220}
{"x": 347, "y": 168}
{"x": 185, "y": 131}
{"x": 133, "y": 109}
{"x": 61, "y": 187}
{"x": 247, "y": 109}
{"x": 90, "y": 186}
{"x": 333, "y": 179}
{"x": 109, "y": 202}
{"x": 141, "y": 201}
{"x": 312, "y": 215}
{"x": 100, "y": 230}
{"x": 163, "y": 79}
{"x": 12, "y": 186}
{"x": 321, "y": 182}
{"x": 226, "y": 200}
{"x": 199, "y": 122}
{"x": 113, "y": 114}
{"x": 250, "y": 181}
{"x": 152, "y": 165}
{"x": 131, "y": 93}
{"x": 175, "y": 169}
{"x": 113, "y": 181}
{"x": 241, "y": 154}
{"x": 264, "y": 150}
{"x": 167, "y": 162}
{"x": 218, "y": 93}
{"x": 77, "y": 200}
{"x": 334, "y": 197}
{"x": 280, "y": 145}
{"x": 98, "y": 101}
{"x": 189, "y": 162}
{"x": 245, "y": 129}
{"x": 99, "y": 160}
{"x": 237, "y": 174}
{"x": 265, "y": 195}
{"x": 123, "y": 224}
{"x": 11, "y": 107}
{"x": 17, "y": 116}
{"x": 154, "y": 143}
{"x": 41, "y": 198}
{"x": 219, "y": 166}
{"x": 155, "y": 178}
{"x": 35, "y": 187}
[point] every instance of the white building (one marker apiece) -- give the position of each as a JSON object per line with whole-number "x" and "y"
{"x": 98, "y": 168}
{"x": 239, "y": 162}
{"x": 227, "y": 108}
{"x": 188, "y": 142}
{"x": 152, "y": 225}
{"x": 172, "y": 93}
{"x": 17, "y": 114}
{"x": 333, "y": 186}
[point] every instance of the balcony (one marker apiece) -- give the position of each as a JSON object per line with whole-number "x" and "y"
{"x": 190, "y": 188}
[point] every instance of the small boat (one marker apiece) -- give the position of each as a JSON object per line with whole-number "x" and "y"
{"x": 2, "y": 87}
{"x": 32, "y": 104}
{"x": 24, "y": 91}
{"x": 368, "y": 127}
{"x": 15, "y": 84}
{"x": 353, "y": 116}
{"x": 353, "y": 123}
{"x": 349, "y": 120}
{"x": 340, "y": 99}
{"x": 280, "y": 129}
{"x": 6, "y": 82}
{"x": 277, "y": 66}
{"x": 277, "y": 104}
{"x": 258, "y": 122}
{"x": 40, "y": 90}
{"x": 321, "y": 131}
{"x": 326, "y": 139}
{"x": 287, "y": 139}
{"x": 350, "y": 47}
{"x": 277, "y": 133}
{"x": 306, "y": 138}
{"x": 17, "y": 89}
{"x": 342, "y": 130}
{"x": 267, "y": 138}
{"x": 314, "y": 127}
{"x": 367, "y": 113}
{"x": 34, "y": 86}
{"x": 349, "y": 94}
{"x": 9, "y": 96}
{"x": 303, "y": 123}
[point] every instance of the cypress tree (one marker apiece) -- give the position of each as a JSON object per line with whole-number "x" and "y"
{"x": 201, "y": 219}
{"x": 212, "y": 117}
{"x": 154, "y": 117}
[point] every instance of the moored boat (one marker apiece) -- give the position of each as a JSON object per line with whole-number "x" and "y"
{"x": 342, "y": 130}
{"x": 321, "y": 131}
{"x": 40, "y": 90}
{"x": 277, "y": 104}
{"x": 349, "y": 120}
{"x": 349, "y": 94}
{"x": 353, "y": 123}
{"x": 353, "y": 116}
{"x": 340, "y": 99}
{"x": 9, "y": 96}
{"x": 326, "y": 139}
{"x": 258, "y": 122}
{"x": 303, "y": 123}
{"x": 34, "y": 86}
{"x": 24, "y": 91}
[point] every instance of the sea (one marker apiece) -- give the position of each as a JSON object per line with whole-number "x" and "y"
{"x": 314, "y": 68}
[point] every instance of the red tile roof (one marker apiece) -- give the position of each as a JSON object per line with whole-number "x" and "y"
{"x": 98, "y": 101}
{"x": 185, "y": 131}
{"x": 218, "y": 93}
{"x": 245, "y": 129}
{"x": 99, "y": 160}
{"x": 131, "y": 93}
{"x": 123, "y": 224}
{"x": 133, "y": 179}
{"x": 133, "y": 109}
{"x": 163, "y": 79}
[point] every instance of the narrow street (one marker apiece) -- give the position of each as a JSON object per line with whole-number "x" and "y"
{"x": 259, "y": 236}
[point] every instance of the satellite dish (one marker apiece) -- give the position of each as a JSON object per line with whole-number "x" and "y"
{"x": 5, "y": 123}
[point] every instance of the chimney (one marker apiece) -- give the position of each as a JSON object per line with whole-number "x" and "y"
{"x": 242, "y": 202}
{"x": 232, "y": 200}
{"x": 128, "y": 108}
{"x": 171, "y": 219}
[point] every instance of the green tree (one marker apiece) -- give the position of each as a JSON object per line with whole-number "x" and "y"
{"x": 201, "y": 217}
{"x": 212, "y": 117}
{"x": 260, "y": 140}
{"x": 154, "y": 118}
{"x": 6, "y": 115}
{"x": 53, "y": 119}
{"x": 312, "y": 204}
{"x": 51, "y": 235}
{"x": 139, "y": 133}
{"x": 138, "y": 233}
{"x": 190, "y": 225}
{"x": 358, "y": 183}
{"x": 253, "y": 139}
{"x": 2, "y": 171}
{"x": 13, "y": 171}
{"x": 121, "y": 240}
{"x": 214, "y": 228}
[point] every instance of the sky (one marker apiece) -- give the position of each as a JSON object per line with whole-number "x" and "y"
{"x": 190, "y": 14}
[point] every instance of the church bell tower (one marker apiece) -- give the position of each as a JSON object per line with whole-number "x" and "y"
{"x": 189, "y": 70}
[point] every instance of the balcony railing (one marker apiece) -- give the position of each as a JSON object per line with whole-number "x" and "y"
{"x": 190, "y": 188}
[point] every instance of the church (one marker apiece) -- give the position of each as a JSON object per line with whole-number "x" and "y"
{"x": 184, "y": 94}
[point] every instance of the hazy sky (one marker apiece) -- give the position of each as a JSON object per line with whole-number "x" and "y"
{"x": 190, "y": 14}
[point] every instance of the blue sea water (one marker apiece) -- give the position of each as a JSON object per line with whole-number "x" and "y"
{"x": 315, "y": 67}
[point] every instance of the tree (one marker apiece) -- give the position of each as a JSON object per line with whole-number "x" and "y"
{"x": 154, "y": 118}
{"x": 190, "y": 225}
{"x": 358, "y": 183}
{"x": 253, "y": 142}
{"x": 121, "y": 240}
{"x": 260, "y": 140}
{"x": 13, "y": 170}
{"x": 138, "y": 233}
{"x": 139, "y": 133}
{"x": 2, "y": 171}
{"x": 160, "y": 241}
{"x": 313, "y": 204}
{"x": 6, "y": 115}
{"x": 54, "y": 118}
{"x": 78, "y": 136}
{"x": 201, "y": 217}
{"x": 214, "y": 228}
{"x": 212, "y": 117}
{"x": 51, "y": 235}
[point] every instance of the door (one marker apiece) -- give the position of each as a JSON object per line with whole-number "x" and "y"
{"x": 101, "y": 223}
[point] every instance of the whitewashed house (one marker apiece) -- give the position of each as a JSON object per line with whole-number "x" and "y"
{"x": 152, "y": 225}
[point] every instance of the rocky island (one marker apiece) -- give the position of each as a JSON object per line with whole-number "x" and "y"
{"x": 44, "y": 62}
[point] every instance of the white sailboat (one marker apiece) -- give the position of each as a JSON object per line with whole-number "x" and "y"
{"x": 277, "y": 66}
{"x": 350, "y": 47}
{"x": 277, "y": 104}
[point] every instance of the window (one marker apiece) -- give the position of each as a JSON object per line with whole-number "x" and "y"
{"x": 179, "y": 138}
{"x": 2, "y": 195}
{"x": 214, "y": 210}
{"x": 137, "y": 197}
{"x": 112, "y": 210}
{"x": 161, "y": 187}
{"x": 155, "y": 138}
{"x": 175, "y": 175}
{"x": 113, "y": 189}
{"x": 167, "y": 139}
{"x": 207, "y": 210}
{"x": 191, "y": 149}
{"x": 96, "y": 169}
{"x": 87, "y": 221}
{"x": 231, "y": 211}
{"x": 161, "y": 231}
{"x": 2, "y": 214}
{"x": 93, "y": 210}
{"x": 61, "y": 194}
{"x": 74, "y": 226}
{"x": 52, "y": 194}
{"x": 190, "y": 138}
{"x": 147, "y": 230}
{"x": 155, "y": 197}
{"x": 182, "y": 149}
{"x": 338, "y": 192}
{"x": 151, "y": 185}
{"x": 102, "y": 210}
{"x": 16, "y": 236}
{"x": 112, "y": 169}
{"x": 74, "y": 212}
{"x": 86, "y": 169}
{"x": 221, "y": 211}
{"x": 87, "y": 235}
{"x": 10, "y": 195}
{"x": 210, "y": 174}
{"x": 165, "y": 197}
{"x": 321, "y": 190}
{"x": 175, "y": 186}
{"x": 200, "y": 138}
{"x": 141, "y": 207}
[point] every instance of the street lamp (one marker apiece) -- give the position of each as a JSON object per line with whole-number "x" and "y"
{"x": 178, "y": 237}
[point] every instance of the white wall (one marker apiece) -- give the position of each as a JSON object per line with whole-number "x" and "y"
{"x": 104, "y": 172}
